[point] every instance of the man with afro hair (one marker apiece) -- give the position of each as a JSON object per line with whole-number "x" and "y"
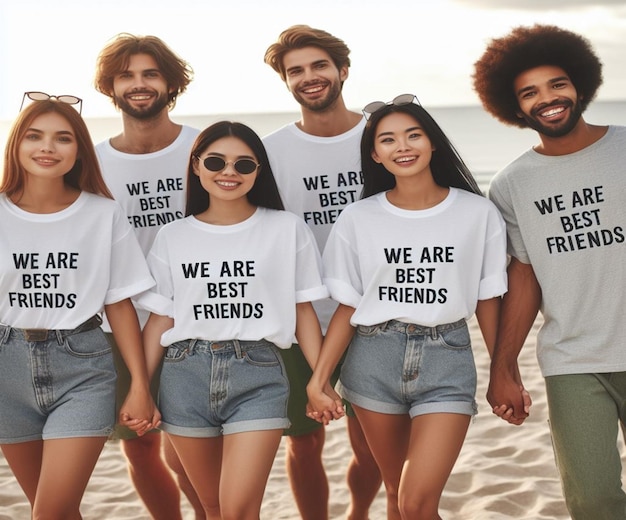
{"x": 564, "y": 204}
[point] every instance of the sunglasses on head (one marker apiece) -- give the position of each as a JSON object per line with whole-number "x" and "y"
{"x": 42, "y": 96}
{"x": 375, "y": 106}
{"x": 214, "y": 163}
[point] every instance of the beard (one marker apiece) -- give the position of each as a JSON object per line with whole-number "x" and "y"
{"x": 562, "y": 128}
{"x": 143, "y": 113}
{"x": 323, "y": 104}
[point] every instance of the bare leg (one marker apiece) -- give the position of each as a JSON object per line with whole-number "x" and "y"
{"x": 152, "y": 479}
{"x": 241, "y": 492}
{"x": 148, "y": 472}
{"x": 388, "y": 438}
{"x": 202, "y": 460}
{"x": 66, "y": 466}
{"x": 172, "y": 460}
{"x": 307, "y": 475}
{"x": 24, "y": 459}
{"x": 435, "y": 444}
{"x": 363, "y": 477}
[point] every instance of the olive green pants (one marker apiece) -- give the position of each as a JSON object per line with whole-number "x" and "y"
{"x": 586, "y": 411}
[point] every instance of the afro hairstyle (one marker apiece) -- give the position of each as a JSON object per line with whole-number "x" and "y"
{"x": 525, "y": 48}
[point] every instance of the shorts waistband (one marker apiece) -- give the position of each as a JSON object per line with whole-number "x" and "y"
{"x": 413, "y": 328}
{"x": 227, "y": 346}
{"x": 44, "y": 334}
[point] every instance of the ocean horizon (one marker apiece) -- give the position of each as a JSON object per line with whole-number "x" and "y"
{"x": 485, "y": 144}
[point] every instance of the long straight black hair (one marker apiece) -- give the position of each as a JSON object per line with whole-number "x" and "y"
{"x": 447, "y": 167}
{"x": 264, "y": 193}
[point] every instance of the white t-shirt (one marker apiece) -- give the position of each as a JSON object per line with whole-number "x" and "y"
{"x": 59, "y": 269}
{"x": 150, "y": 187}
{"x": 234, "y": 282}
{"x": 317, "y": 178}
{"x": 427, "y": 267}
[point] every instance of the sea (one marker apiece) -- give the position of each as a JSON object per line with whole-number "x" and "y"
{"x": 485, "y": 144}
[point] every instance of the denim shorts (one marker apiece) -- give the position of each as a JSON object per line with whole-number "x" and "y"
{"x": 60, "y": 387}
{"x": 399, "y": 368}
{"x": 212, "y": 388}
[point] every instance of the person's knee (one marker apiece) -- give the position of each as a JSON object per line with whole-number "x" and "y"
{"x": 363, "y": 458}
{"x": 211, "y": 510}
{"x": 54, "y": 509}
{"x": 417, "y": 505}
{"x": 238, "y": 509}
{"x": 142, "y": 451}
{"x": 306, "y": 446}
{"x": 50, "y": 515}
{"x": 362, "y": 452}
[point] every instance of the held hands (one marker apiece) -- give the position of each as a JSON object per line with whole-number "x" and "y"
{"x": 324, "y": 405}
{"x": 139, "y": 413}
{"x": 509, "y": 399}
{"x": 508, "y": 413}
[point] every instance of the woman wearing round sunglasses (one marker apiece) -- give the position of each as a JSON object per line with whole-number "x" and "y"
{"x": 235, "y": 281}
{"x": 409, "y": 264}
{"x": 67, "y": 252}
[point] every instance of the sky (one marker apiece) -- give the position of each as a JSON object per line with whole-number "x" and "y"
{"x": 424, "y": 47}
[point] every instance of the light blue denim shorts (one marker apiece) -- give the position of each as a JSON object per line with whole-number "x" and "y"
{"x": 217, "y": 388}
{"x": 59, "y": 387}
{"x": 399, "y": 368}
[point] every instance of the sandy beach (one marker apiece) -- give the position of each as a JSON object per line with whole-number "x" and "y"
{"x": 503, "y": 471}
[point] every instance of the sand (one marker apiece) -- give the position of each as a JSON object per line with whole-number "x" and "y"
{"x": 503, "y": 471}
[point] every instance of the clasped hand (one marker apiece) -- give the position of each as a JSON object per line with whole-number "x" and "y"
{"x": 324, "y": 404}
{"x": 509, "y": 399}
{"x": 139, "y": 413}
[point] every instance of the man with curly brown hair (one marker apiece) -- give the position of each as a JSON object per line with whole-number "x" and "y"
{"x": 145, "y": 168}
{"x": 563, "y": 202}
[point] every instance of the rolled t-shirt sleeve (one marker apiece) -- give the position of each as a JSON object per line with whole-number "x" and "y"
{"x": 129, "y": 273}
{"x": 309, "y": 284}
{"x": 160, "y": 299}
{"x": 342, "y": 272}
{"x": 493, "y": 280}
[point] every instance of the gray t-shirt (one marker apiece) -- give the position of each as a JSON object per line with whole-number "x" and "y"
{"x": 566, "y": 215}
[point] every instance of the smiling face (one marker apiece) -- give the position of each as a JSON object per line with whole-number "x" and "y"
{"x": 402, "y": 147}
{"x": 141, "y": 91}
{"x": 227, "y": 184}
{"x": 548, "y": 100}
{"x": 313, "y": 78}
{"x": 49, "y": 148}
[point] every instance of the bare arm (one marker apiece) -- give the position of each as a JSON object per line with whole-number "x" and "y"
{"x": 138, "y": 411}
{"x": 520, "y": 306}
{"x": 308, "y": 332}
{"x": 309, "y": 336}
{"x": 337, "y": 339}
{"x": 488, "y": 316}
{"x": 152, "y": 332}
